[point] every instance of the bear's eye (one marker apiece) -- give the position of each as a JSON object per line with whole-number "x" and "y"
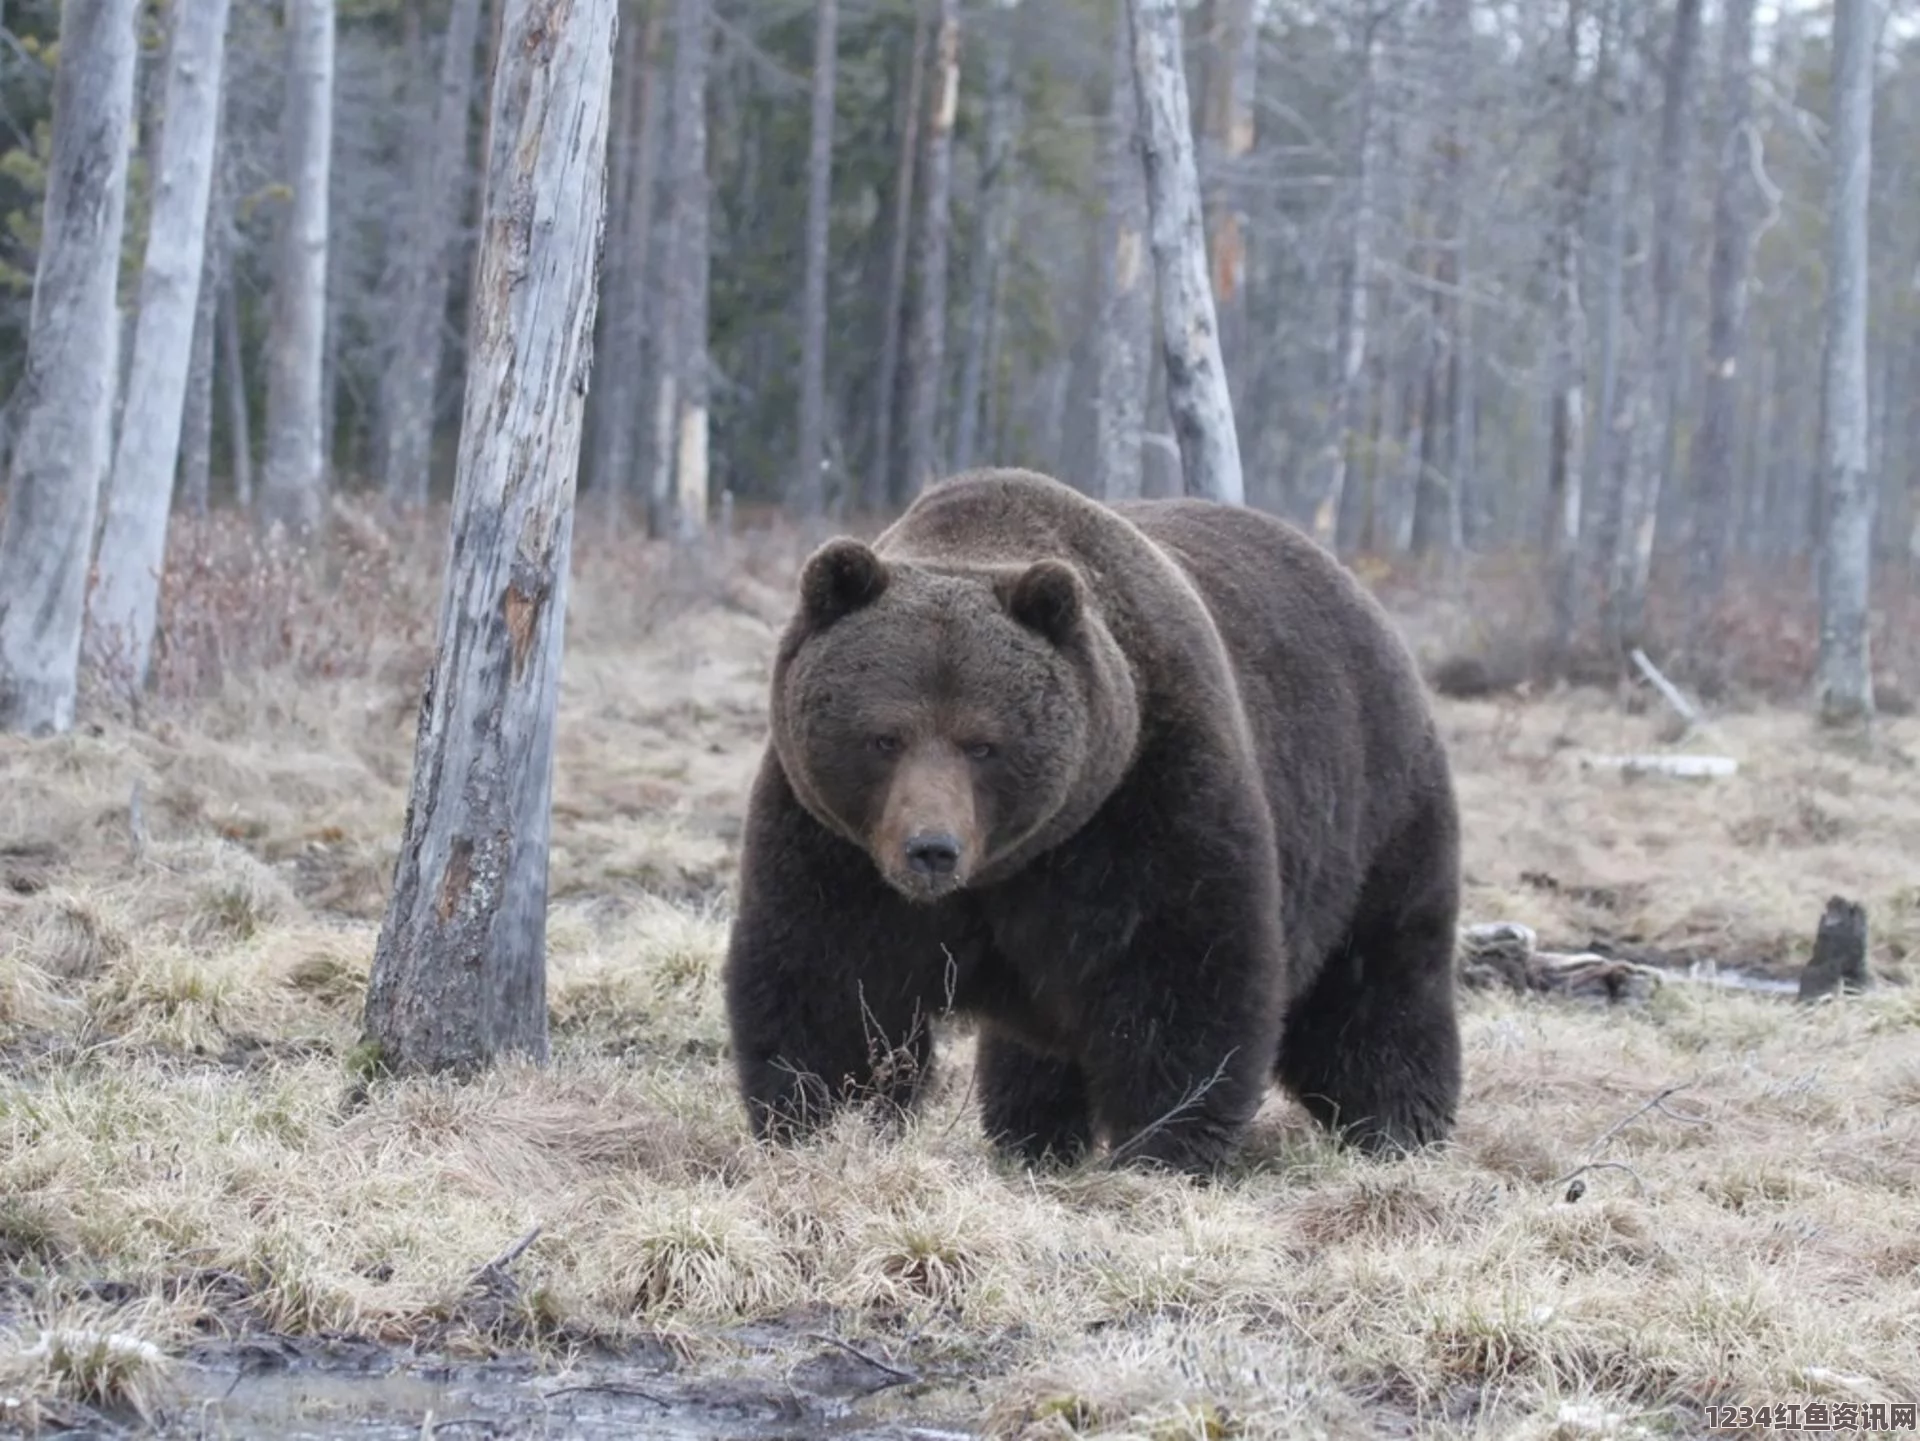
{"x": 885, "y": 745}
{"x": 979, "y": 750}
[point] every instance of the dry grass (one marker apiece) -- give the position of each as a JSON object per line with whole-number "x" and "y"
{"x": 180, "y": 1117}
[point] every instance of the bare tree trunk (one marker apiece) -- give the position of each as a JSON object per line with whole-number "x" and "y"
{"x": 1197, "y": 397}
{"x": 1352, "y": 346}
{"x": 614, "y": 411}
{"x": 64, "y": 400}
{"x": 1567, "y": 425}
{"x": 1229, "y": 132}
{"x": 809, "y": 493}
{"x": 1126, "y": 317}
{"x": 990, "y": 233}
{"x": 459, "y": 972}
{"x": 880, "y": 486}
{"x": 1843, "y": 684}
{"x": 930, "y": 330}
{"x": 292, "y": 492}
{"x": 679, "y": 488}
{"x": 423, "y": 253}
{"x": 1650, "y": 442}
{"x": 133, "y": 542}
{"x": 1733, "y": 232}
{"x": 239, "y": 421}
{"x": 196, "y": 438}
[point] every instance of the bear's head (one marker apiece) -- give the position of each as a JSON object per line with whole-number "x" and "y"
{"x": 951, "y": 721}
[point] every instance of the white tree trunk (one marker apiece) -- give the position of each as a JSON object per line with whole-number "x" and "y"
{"x": 1843, "y": 684}
{"x": 809, "y": 492}
{"x": 64, "y": 402}
{"x": 459, "y": 972}
{"x": 133, "y": 541}
{"x": 992, "y": 218}
{"x": 437, "y": 179}
{"x": 1197, "y": 398}
{"x": 930, "y": 320}
{"x": 293, "y": 483}
{"x": 1126, "y": 309}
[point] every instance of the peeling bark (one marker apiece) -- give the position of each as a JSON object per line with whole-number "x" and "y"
{"x": 64, "y": 401}
{"x": 1126, "y": 312}
{"x": 459, "y": 973}
{"x": 930, "y": 328}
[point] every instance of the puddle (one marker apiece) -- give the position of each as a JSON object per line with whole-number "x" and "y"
{"x": 332, "y": 1391}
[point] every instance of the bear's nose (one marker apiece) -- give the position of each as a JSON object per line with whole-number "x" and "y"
{"x": 933, "y": 853}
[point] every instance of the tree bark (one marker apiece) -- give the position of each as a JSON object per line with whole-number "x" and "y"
{"x": 1197, "y": 397}
{"x": 1733, "y": 228}
{"x": 436, "y": 178}
{"x": 930, "y": 329}
{"x": 1351, "y": 347}
{"x": 614, "y": 411}
{"x": 880, "y": 486}
{"x": 293, "y": 485}
{"x": 64, "y": 400}
{"x": 239, "y": 418}
{"x": 1568, "y": 411}
{"x": 459, "y": 972}
{"x": 1229, "y": 135}
{"x": 1843, "y": 684}
{"x": 133, "y": 542}
{"x": 994, "y": 212}
{"x": 809, "y": 490}
{"x": 196, "y": 438}
{"x": 1126, "y": 315}
{"x": 1650, "y": 441}
{"x": 679, "y": 491}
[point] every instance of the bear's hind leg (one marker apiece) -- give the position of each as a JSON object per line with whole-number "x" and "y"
{"x": 1372, "y": 1050}
{"x": 1032, "y": 1105}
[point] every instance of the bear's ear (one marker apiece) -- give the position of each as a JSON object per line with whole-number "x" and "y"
{"x": 1045, "y": 598}
{"x": 839, "y": 578}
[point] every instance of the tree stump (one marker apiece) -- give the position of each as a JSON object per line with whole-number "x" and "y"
{"x": 1839, "y": 959}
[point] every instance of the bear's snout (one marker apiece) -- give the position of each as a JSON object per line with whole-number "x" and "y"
{"x": 935, "y": 854}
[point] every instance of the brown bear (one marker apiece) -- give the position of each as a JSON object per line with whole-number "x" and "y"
{"x": 1151, "y": 790}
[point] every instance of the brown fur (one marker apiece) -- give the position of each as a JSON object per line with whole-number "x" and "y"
{"x": 1202, "y": 831}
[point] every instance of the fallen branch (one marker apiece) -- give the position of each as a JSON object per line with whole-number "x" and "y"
{"x": 901, "y": 1377}
{"x": 1683, "y": 767}
{"x": 606, "y": 1388}
{"x": 1671, "y": 693}
{"x": 495, "y": 1271}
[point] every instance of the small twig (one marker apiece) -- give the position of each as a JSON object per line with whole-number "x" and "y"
{"x": 1120, "y": 1152}
{"x": 498, "y": 1265}
{"x": 1572, "y": 1179}
{"x": 1657, "y": 1103}
{"x": 908, "y": 1378}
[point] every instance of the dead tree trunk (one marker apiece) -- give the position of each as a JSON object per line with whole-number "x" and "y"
{"x": 1126, "y": 313}
{"x": 293, "y": 485}
{"x": 1843, "y": 684}
{"x": 133, "y": 542}
{"x": 196, "y": 437}
{"x": 678, "y": 496}
{"x": 880, "y": 487}
{"x": 239, "y": 420}
{"x": 930, "y": 329}
{"x": 1650, "y": 441}
{"x": 1197, "y": 399}
{"x": 423, "y": 257}
{"x": 809, "y": 491}
{"x": 1733, "y": 229}
{"x": 64, "y": 401}
{"x": 1351, "y": 349}
{"x": 990, "y": 232}
{"x": 459, "y": 973}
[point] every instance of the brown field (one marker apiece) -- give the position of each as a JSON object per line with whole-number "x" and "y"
{"x": 209, "y": 1220}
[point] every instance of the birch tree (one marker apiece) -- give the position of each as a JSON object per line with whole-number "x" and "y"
{"x": 459, "y": 971}
{"x": 133, "y": 542}
{"x": 880, "y": 488}
{"x": 293, "y": 482}
{"x": 1843, "y": 683}
{"x": 809, "y": 491}
{"x": 64, "y": 401}
{"x": 1197, "y": 398}
{"x": 930, "y": 326}
{"x": 1733, "y": 232}
{"x": 1126, "y": 305}
{"x": 990, "y": 231}
{"x": 424, "y": 254}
